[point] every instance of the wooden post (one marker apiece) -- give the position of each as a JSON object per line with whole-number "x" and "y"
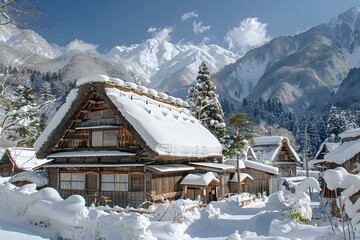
{"x": 238, "y": 173}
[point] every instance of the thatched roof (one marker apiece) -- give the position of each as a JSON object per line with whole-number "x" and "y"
{"x": 160, "y": 123}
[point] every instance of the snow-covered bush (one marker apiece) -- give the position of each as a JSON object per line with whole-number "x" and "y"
{"x": 298, "y": 204}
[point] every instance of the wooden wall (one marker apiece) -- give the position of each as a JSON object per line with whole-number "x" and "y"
{"x": 133, "y": 197}
{"x": 261, "y": 183}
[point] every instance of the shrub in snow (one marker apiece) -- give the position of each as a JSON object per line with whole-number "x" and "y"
{"x": 298, "y": 204}
{"x": 175, "y": 211}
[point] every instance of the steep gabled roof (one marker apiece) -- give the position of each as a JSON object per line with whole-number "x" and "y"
{"x": 326, "y": 147}
{"x": 347, "y": 149}
{"x": 267, "y": 148}
{"x": 161, "y": 123}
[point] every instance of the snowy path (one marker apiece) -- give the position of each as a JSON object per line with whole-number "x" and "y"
{"x": 10, "y": 232}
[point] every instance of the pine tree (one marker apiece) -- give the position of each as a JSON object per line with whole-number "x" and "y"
{"x": 204, "y": 103}
{"x": 333, "y": 125}
{"x": 236, "y": 141}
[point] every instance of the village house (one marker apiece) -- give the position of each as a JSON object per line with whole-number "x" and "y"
{"x": 346, "y": 155}
{"x": 319, "y": 162}
{"x": 255, "y": 177}
{"x": 126, "y": 142}
{"x": 20, "y": 165}
{"x": 277, "y": 151}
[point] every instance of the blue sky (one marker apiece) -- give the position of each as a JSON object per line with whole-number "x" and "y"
{"x": 235, "y": 24}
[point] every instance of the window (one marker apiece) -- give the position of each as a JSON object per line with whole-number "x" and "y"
{"x": 72, "y": 181}
{"x": 104, "y": 138}
{"x": 114, "y": 182}
{"x": 107, "y": 113}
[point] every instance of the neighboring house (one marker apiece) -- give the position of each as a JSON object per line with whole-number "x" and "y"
{"x": 277, "y": 151}
{"x": 246, "y": 154}
{"x": 19, "y": 159}
{"x": 123, "y": 141}
{"x": 255, "y": 177}
{"x": 22, "y": 165}
{"x": 319, "y": 163}
{"x": 346, "y": 155}
{"x": 263, "y": 176}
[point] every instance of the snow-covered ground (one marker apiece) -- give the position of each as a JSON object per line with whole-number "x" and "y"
{"x": 30, "y": 214}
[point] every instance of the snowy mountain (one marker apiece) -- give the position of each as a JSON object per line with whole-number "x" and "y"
{"x": 15, "y": 44}
{"x": 301, "y": 70}
{"x": 166, "y": 66}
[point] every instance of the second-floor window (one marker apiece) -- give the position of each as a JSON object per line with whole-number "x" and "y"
{"x": 104, "y": 138}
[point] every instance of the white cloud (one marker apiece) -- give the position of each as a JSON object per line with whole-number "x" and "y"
{"x": 188, "y": 15}
{"x": 80, "y": 45}
{"x": 162, "y": 33}
{"x": 199, "y": 28}
{"x": 205, "y": 40}
{"x": 249, "y": 33}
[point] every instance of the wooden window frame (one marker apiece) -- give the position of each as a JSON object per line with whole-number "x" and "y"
{"x": 103, "y": 138}
{"x": 114, "y": 182}
{"x": 71, "y": 180}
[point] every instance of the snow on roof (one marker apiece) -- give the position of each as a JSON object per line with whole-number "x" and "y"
{"x": 340, "y": 178}
{"x": 2, "y": 152}
{"x": 329, "y": 146}
{"x": 219, "y": 166}
{"x": 56, "y": 120}
{"x": 344, "y": 152}
{"x": 92, "y": 78}
{"x": 199, "y": 179}
{"x": 314, "y": 162}
{"x": 37, "y": 177}
{"x": 170, "y": 168}
{"x": 268, "y": 140}
{"x": 102, "y": 153}
{"x": 243, "y": 176}
{"x": 168, "y": 130}
{"x": 60, "y": 165}
{"x": 267, "y": 147}
{"x": 350, "y": 133}
{"x": 266, "y": 154}
{"x": 233, "y": 162}
{"x": 261, "y": 166}
{"x": 25, "y": 158}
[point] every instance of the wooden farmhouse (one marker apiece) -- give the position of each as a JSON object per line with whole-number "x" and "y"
{"x": 346, "y": 155}
{"x": 319, "y": 163}
{"x": 126, "y": 142}
{"x": 255, "y": 177}
{"x": 22, "y": 166}
{"x": 277, "y": 151}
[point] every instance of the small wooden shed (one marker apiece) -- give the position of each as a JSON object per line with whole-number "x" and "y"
{"x": 200, "y": 184}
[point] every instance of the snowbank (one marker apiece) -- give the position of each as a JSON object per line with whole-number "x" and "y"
{"x": 67, "y": 218}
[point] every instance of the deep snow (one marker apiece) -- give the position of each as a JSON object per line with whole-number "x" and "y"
{"x": 29, "y": 214}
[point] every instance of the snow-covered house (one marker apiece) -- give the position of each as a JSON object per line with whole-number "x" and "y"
{"x": 319, "y": 163}
{"x": 346, "y": 155}
{"x": 19, "y": 159}
{"x": 22, "y": 165}
{"x": 277, "y": 151}
{"x": 124, "y": 141}
{"x": 255, "y": 177}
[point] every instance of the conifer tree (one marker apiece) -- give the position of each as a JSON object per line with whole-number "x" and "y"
{"x": 333, "y": 125}
{"x": 239, "y": 136}
{"x": 204, "y": 103}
